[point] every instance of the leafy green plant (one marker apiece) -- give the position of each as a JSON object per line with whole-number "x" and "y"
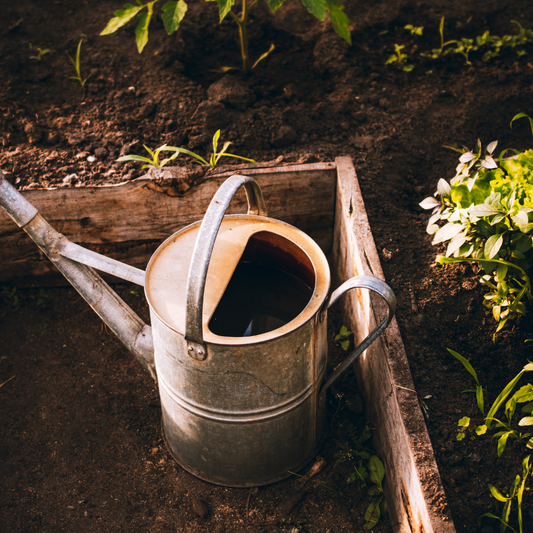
{"x": 487, "y": 209}
{"x": 9, "y": 295}
{"x": 399, "y": 58}
{"x": 354, "y": 447}
{"x": 174, "y": 12}
{"x": 516, "y": 492}
{"x": 40, "y": 53}
{"x": 505, "y": 430}
{"x": 76, "y": 64}
{"x": 154, "y": 162}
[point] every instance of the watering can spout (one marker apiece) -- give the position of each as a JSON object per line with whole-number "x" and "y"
{"x": 76, "y": 264}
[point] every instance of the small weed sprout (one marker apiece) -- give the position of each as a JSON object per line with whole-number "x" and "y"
{"x": 414, "y": 30}
{"x": 509, "y": 399}
{"x": 40, "y": 53}
{"x": 155, "y": 163}
{"x": 76, "y": 64}
{"x": 399, "y": 58}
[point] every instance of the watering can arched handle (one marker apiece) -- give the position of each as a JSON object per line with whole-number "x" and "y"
{"x": 360, "y": 282}
{"x": 202, "y": 254}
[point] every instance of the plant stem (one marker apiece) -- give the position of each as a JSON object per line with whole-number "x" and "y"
{"x": 241, "y": 22}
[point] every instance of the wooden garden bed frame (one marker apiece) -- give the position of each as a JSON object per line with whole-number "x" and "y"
{"x": 128, "y": 221}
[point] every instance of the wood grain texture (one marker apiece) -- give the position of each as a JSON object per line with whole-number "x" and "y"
{"x": 416, "y": 498}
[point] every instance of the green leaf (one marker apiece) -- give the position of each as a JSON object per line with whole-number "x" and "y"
{"x": 448, "y": 231}
{"x": 429, "y": 203}
{"x": 444, "y": 189}
{"x": 479, "y": 399}
{"x": 372, "y": 515}
{"x": 504, "y": 393}
{"x": 339, "y": 19}
{"x": 224, "y": 7}
{"x": 134, "y": 158}
{"x": 465, "y": 363}
{"x": 501, "y": 272}
{"x": 316, "y": 8}
{"x": 483, "y": 210}
{"x": 464, "y": 422}
{"x": 141, "y": 31}
{"x": 173, "y": 13}
{"x": 497, "y": 494}
{"x": 122, "y": 16}
{"x": 502, "y": 442}
{"x": 274, "y": 5}
{"x": 493, "y": 245}
{"x": 526, "y": 421}
{"x": 377, "y": 470}
{"x": 481, "y": 430}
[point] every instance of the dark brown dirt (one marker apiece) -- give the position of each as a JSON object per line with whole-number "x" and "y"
{"x": 80, "y": 440}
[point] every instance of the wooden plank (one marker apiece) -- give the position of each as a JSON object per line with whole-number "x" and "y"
{"x": 131, "y": 219}
{"x": 415, "y": 496}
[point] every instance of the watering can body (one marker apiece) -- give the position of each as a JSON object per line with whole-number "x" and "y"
{"x": 242, "y": 378}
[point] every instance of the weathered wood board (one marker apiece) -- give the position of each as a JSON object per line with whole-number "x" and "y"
{"x": 401, "y": 438}
{"x": 129, "y": 221}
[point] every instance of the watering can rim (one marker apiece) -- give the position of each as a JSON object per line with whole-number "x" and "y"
{"x": 312, "y": 250}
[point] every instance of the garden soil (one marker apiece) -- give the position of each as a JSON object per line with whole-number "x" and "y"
{"x": 81, "y": 448}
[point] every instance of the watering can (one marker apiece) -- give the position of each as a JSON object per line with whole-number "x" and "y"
{"x": 238, "y": 346}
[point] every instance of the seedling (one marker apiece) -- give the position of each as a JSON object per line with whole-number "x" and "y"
{"x": 399, "y": 58}
{"x": 344, "y": 337}
{"x": 76, "y": 64}
{"x": 516, "y": 492}
{"x": 174, "y": 12}
{"x": 40, "y": 53}
{"x": 414, "y": 30}
{"x": 155, "y": 163}
{"x": 437, "y": 52}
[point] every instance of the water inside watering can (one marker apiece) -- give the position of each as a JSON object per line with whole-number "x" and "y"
{"x": 259, "y": 299}
{"x": 271, "y": 285}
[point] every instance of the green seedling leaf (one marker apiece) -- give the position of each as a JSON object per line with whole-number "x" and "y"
{"x": 122, "y": 16}
{"x": 339, "y": 20}
{"x": 481, "y": 430}
{"x": 465, "y": 363}
{"x": 377, "y": 470}
{"x": 173, "y": 13}
{"x": 141, "y": 31}
{"x": 274, "y": 5}
{"x": 372, "y": 515}
{"x": 520, "y": 115}
{"x": 464, "y": 422}
{"x": 316, "y": 8}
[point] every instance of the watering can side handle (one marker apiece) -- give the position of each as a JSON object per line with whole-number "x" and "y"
{"x": 203, "y": 248}
{"x": 360, "y": 282}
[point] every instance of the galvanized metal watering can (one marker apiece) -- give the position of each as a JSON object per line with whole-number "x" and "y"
{"x": 238, "y": 306}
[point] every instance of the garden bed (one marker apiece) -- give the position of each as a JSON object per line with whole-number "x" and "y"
{"x": 336, "y": 100}
{"x": 330, "y": 209}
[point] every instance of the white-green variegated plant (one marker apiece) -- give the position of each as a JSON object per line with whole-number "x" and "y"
{"x": 485, "y": 215}
{"x": 174, "y": 12}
